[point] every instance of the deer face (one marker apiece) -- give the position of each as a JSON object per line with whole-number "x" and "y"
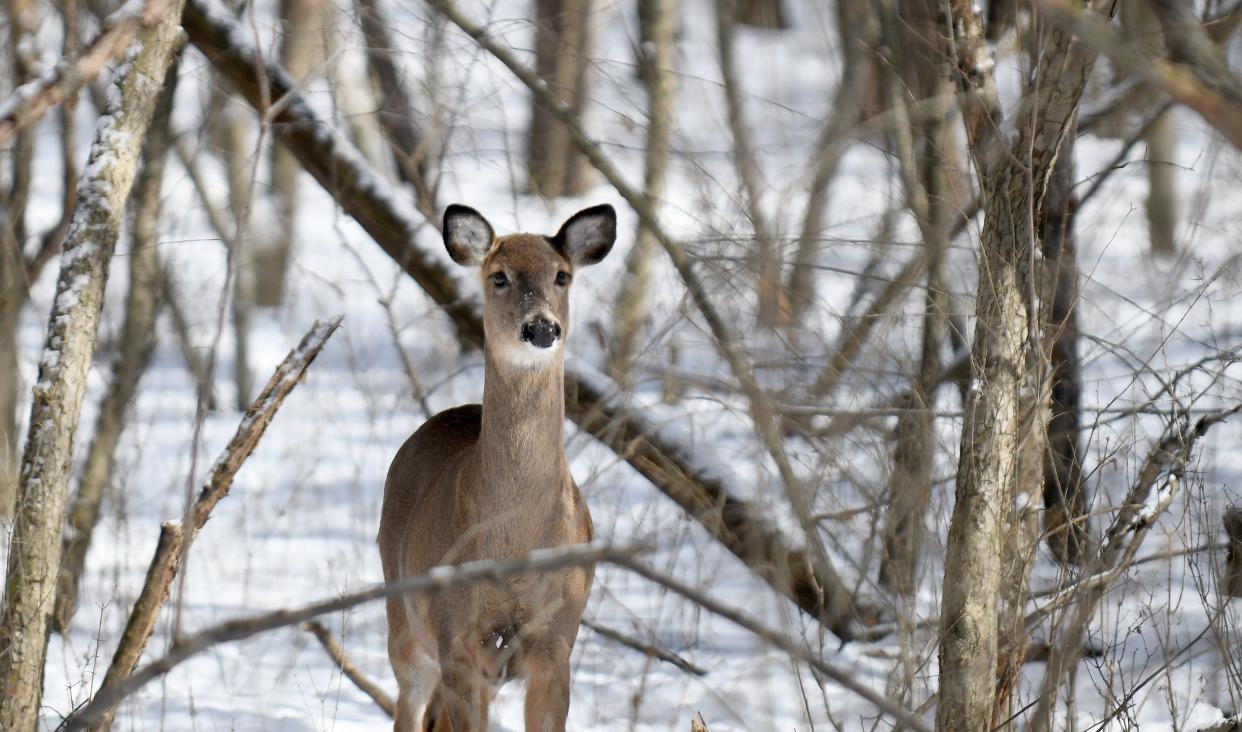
{"x": 526, "y": 278}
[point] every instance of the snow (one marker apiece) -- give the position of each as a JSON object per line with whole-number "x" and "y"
{"x": 300, "y": 521}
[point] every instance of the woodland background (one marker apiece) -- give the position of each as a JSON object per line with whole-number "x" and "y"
{"x": 917, "y": 353}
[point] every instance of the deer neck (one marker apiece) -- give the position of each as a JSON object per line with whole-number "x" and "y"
{"x": 521, "y": 442}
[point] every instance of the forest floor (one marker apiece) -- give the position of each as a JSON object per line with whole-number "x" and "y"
{"x": 301, "y": 520}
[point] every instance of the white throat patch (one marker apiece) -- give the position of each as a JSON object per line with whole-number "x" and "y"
{"x": 529, "y": 357}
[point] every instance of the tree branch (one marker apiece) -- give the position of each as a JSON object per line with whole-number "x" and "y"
{"x": 591, "y": 398}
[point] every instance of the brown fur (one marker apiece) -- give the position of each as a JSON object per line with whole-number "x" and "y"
{"x": 491, "y": 482}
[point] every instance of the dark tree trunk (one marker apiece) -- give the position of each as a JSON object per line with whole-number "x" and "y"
{"x": 562, "y": 59}
{"x": 1065, "y": 502}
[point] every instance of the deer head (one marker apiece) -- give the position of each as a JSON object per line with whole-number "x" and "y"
{"x": 526, "y": 278}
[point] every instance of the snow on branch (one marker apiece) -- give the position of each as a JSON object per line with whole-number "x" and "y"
{"x": 29, "y": 102}
{"x": 706, "y": 493}
{"x": 35, "y": 549}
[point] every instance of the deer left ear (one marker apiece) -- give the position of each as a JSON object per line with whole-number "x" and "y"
{"x": 588, "y": 235}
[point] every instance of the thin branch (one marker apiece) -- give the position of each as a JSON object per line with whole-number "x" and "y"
{"x": 645, "y": 648}
{"x": 175, "y": 539}
{"x": 437, "y": 580}
{"x": 351, "y": 672}
{"x": 1196, "y": 75}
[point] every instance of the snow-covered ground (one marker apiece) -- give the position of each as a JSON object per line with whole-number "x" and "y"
{"x": 300, "y": 522}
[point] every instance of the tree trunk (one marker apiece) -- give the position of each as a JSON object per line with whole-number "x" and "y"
{"x": 34, "y": 554}
{"x": 1065, "y": 500}
{"x": 554, "y": 166}
{"x": 12, "y": 294}
{"x": 23, "y": 22}
{"x": 236, "y": 149}
{"x": 300, "y": 50}
{"x": 658, "y": 65}
{"x": 1004, "y": 374}
{"x": 1142, "y": 28}
{"x": 919, "y": 62}
{"x": 136, "y": 345}
{"x": 768, "y": 14}
{"x": 990, "y": 441}
{"x": 1161, "y": 189}
{"x": 767, "y": 256}
{"x": 856, "y": 27}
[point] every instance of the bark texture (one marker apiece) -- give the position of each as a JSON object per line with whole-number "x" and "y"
{"x": 658, "y": 19}
{"x": 136, "y": 345}
{"x": 34, "y": 553}
{"x": 562, "y": 60}
{"x": 1013, "y": 177}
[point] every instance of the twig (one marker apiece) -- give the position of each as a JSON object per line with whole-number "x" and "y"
{"x": 351, "y": 672}
{"x": 591, "y": 398}
{"x": 28, "y": 103}
{"x": 645, "y": 648}
{"x": 1167, "y": 460}
{"x": 175, "y": 539}
{"x": 838, "y": 610}
{"x": 438, "y": 579}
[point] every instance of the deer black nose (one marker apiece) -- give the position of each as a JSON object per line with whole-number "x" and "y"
{"x": 541, "y": 332}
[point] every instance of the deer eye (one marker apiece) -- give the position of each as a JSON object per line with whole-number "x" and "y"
{"x": 562, "y": 279}
{"x": 499, "y": 280}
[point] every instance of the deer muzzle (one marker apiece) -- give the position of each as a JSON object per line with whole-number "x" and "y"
{"x": 541, "y": 332}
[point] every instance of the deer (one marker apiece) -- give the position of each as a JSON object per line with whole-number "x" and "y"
{"x": 491, "y": 481}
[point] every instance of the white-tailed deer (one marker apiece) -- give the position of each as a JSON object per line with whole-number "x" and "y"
{"x": 491, "y": 481}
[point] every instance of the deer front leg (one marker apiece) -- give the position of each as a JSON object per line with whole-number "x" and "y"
{"x": 547, "y": 686}
{"x": 464, "y": 691}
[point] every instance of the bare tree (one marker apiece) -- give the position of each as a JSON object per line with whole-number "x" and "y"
{"x": 137, "y": 342}
{"x": 554, "y": 166}
{"x": 657, "y": 66}
{"x": 766, "y": 256}
{"x": 1013, "y": 176}
{"x": 34, "y": 554}
{"x": 858, "y": 31}
{"x": 301, "y": 48}
{"x": 912, "y": 36}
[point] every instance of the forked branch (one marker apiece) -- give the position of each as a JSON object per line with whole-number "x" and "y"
{"x": 175, "y": 539}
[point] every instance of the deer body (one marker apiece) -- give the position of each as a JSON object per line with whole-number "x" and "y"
{"x": 491, "y": 482}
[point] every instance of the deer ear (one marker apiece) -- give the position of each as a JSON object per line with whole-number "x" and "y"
{"x": 467, "y": 235}
{"x": 588, "y": 235}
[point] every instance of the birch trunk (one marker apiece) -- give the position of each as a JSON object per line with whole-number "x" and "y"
{"x": 657, "y": 69}
{"x": 34, "y": 553}
{"x": 136, "y": 345}
{"x": 562, "y": 48}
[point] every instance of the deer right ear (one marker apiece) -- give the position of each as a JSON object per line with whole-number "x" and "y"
{"x": 467, "y": 235}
